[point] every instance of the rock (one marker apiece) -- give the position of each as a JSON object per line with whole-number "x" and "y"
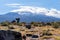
{"x": 10, "y": 35}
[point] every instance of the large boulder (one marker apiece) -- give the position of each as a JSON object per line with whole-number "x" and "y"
{"x": 10, "y": 35}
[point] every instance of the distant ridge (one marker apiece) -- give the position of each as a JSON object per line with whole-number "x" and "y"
{"x": 27, "y": 17}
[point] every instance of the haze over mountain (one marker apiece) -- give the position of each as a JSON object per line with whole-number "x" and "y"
{"x": 29, "y": 14}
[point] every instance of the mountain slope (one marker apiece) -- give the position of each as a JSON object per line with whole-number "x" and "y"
{"x": 27, "y": 17}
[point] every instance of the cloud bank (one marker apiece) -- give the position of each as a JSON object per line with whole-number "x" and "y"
{"x": 39, "y": 10}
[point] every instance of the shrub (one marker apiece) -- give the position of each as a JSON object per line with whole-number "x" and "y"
{"x": 56, "y": 25}
{"x": 5, "y": 23}
{"x": 46, "y": 32}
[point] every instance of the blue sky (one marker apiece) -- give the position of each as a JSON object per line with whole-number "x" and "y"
{"x": 5, "y": 6}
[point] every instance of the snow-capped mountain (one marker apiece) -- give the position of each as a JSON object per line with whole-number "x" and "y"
{"x": 39, "y": 10}
{"x": 27, "y": 17}
{"x": 29, "y": 14}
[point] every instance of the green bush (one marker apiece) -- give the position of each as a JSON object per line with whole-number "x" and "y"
{"x": 5, "y": 23}
{"x": 47, "y": 33}
{"x": 55, "y": 24}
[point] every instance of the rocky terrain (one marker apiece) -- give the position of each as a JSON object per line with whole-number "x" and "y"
{"x": 29, "y": 32}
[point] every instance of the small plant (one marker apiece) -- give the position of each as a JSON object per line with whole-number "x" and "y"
{"x": 5, "y": 23}
{"x": 56, "y": 25}
{"x": 11, "y": 27}
{"x": 48, "y": 23}
{"x": 46, "y": 32}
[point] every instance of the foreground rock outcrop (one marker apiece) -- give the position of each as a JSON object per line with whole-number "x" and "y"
{"x": 10, "y": 35}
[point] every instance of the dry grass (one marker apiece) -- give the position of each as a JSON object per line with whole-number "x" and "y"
{"x": 35, "y": 30}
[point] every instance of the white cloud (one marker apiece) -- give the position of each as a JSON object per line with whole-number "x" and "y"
{"x": 13, "y": 5}
{"x": 54, "y": 13}
{"x": 39, "y": 10}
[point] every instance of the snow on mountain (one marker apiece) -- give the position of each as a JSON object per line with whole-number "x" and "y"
{"x": 29, "y": 14}
{"x": 27, "y": 17}
{"x": 38, "y": 10}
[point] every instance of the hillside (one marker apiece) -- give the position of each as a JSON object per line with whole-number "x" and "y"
{"x": 27, "y": 17}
